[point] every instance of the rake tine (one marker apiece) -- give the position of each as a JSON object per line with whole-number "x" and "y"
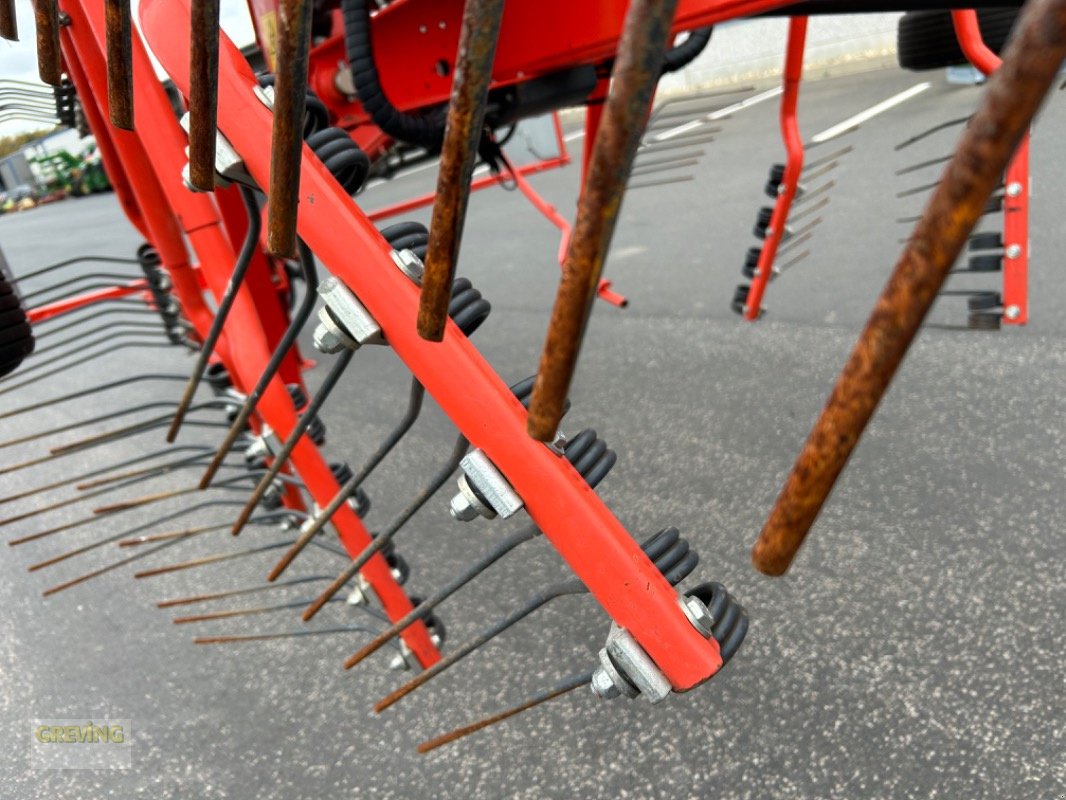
{"x": 307, "y": 304}
{"x": 444, "y": 592}
{"x": 414, "y": 408}
{"x": 830, "y": 160}
{"x": 76, "y": 354}
{"x": 128, "y": 560}
{"x": 305, "y": 419}
{"x": 167, "y": 536}
{"x": 918, "y": 189}
{"x": 1012, "y": 97}
{"x": 811, "y": 194}
{"x": 205, "y": 560}
{"x": 8, "y": 23}
{"x": 49, "y": 57}
{"x": 651, "y": 148}
{"x": 492, "y": 631}
{"x": 806, "y": 212}
{"x": 793, "y": 243}
{"x": 31, "y": 437}
{"x": 634, "y": 76}
{"x": 923, "y": 164}
{"x": 660, "y": 182}
{"x": 119, "y": 63}
{"x": 110, "y": 539}
{"x": 265, "y": 587}
{"x": 72, "y": 288}
{"x": 203, "y": 94}
{"x": 240, "y": 612}
{"x": 290, "y": 95}
{"x": 77, "y": 260}
{"x": 664, "y": 167}
{"x": 264, "y": 637}
{"x": 89, "y": 357}
{"x": 240, "y": 268}
{"x": 165, "y": 468}
{"x": 462, "y": 133}
{"x": 935, "y": 129}
{"x": 793, "y": 261}
{"x": 140, "y": 427}
{"x": 655, "y": 162}
{"x": 561, "y": 688}
{"x": 385, "y": 536}
{"x": 124, "y": 326}
{"x": 149, "y": 499}
{"x": 94, "y": 473}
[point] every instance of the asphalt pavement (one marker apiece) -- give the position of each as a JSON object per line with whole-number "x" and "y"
{"x": 914, "y": 651}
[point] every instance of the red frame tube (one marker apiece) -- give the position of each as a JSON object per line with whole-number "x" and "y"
{"x": 49, "y": 310}
{"x": 790, "y": 134}
{"x": 593, "y": 542}
{"x": 1017, "y": 180}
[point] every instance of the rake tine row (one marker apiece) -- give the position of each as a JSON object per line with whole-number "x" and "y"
{"x": 634, "y": 77}
{"x": 31, "y": 437}
{"x": 244, "y": 612}
{"x": 307, "y": 304}
{"x": 462, "y": 133}
{"x": 214, "y": 558}
{"x": 384, "y": 537}
{"x": 85, "y": 358}
{"x": 242, "y": 592}
{"x": 125, "y": 327}
{"x": 240, "y": 268}
{"x": 1011, "y": 99}
{"x": 118, "y": 305}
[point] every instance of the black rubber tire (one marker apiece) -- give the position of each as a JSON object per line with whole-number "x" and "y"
{"x": 926, "y": 39}
{"x": 16, "y": 337}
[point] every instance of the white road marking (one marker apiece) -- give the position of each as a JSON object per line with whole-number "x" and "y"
{"x": 868, "y": 114}
{"x": 719, "y": 114}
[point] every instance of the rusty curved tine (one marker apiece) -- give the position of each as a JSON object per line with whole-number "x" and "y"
{"x": 100, "y": 471}
{"x": 79, "y": 394}
{"x": 242, "y": 612}
{"x": 286, "y": 144}
{"x": 633, "y": 79}
{"x": 240, "y": 268}
{"x": 157, "y": 497}
{"x": 110, "y": 539}
{"x": 414, "y": 407}
{"x": 385, "y": 536}
{"x": 297, "y": 634}
{"x": 288, "y": 339}
{"x": 1012, "y": 97}
{"x": 932, "y": 162}
{"x": 242, "y": 592}
{"x": 951, "y": 123}
{"x": 462, "y": 133}
{"x": 139, "y": 554}
{"x": 203, "y": 93}
{"x": 538, "y": 600}
{"x": 144, "y": 425}
{"x": 214, "y": 558}
{"x": 563, "y": 687}
{"x": 49, "y": 57}
{"x": 444, "y": 592}
{"x": 307, "y": 416}
{"x": 8, "y": 23}
{"x": 89, "y": 357}
{"x": 31, "y": 437}
{"x": 119, "y": 62}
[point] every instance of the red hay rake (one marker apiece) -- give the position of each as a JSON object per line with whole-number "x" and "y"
{"x": 253, "y": 188}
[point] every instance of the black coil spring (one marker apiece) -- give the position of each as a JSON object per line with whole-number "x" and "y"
{"x": 342, "y": 473}
{"x": 159, "y": 286}
{"x": 408, "y": 235}
{"x": 671, "y": 553}
{"x": 316, "y": 115}
{"x": 344, "y": 159}
{"x": 66, "y": 99}
{"x": 590, "y": 456}
{"x": 730, "y": 618}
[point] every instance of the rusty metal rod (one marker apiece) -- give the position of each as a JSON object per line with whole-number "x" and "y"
{"x": 242, "y": 612}
{"x": 9, "y": 28}
{"x": 49, "y": 56}
{"x": 265, "y": 587}
{"x": 462, "y": 133}
{"x": 264, "y": 637}
{"x": 1011, "y": 99}
{"x": 119, "y": 63}
{"x": 633, "y": 79}
{"x": 290, "y": 99}
{"x": 203, "y": 93}
{"x": 561, "y": 688}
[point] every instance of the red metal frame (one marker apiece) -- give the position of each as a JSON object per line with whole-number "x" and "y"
{"x": 151, "y": 166}
{"x": 594, "y": 543}
{"x": 60, "y": 307}
{"x": 790, "y": 134}
{"x": 1017, "y": 181}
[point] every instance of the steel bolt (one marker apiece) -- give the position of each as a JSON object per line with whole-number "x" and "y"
{"x": 698, "y": 615}
{"x": 327, "y": 341}
{"x": 1012, "y": 312}
{"x": 1013, "y": 251}
{"x": 1014, "y": 189}
{"x": 603, "y": 686}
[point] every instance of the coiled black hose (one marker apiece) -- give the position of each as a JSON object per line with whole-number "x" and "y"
{"x": 423, "y": 131}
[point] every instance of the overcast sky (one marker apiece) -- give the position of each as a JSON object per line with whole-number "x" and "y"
{"x": 18, "y": 60}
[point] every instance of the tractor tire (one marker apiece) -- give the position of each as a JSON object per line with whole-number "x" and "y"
{"x": 926, "y": 39}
